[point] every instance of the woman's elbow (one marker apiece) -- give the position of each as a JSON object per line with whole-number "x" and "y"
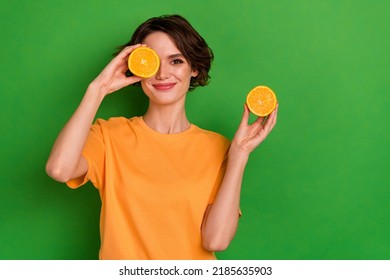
{"x": 216, "y": 244}
{"x": 56, "y": 173}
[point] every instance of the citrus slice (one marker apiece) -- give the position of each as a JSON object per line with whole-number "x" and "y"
{"x": 261, "y": 101}
{"x": 143, "y": 62}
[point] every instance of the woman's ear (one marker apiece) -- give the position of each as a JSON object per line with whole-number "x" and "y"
{"x": 194, "y": 73}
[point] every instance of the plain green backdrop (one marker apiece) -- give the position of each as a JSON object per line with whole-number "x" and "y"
{"x": 317, "y": 188}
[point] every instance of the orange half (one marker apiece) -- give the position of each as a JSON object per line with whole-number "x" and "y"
{"x": 143, "y": 62}
{"x": 261, "y": 101}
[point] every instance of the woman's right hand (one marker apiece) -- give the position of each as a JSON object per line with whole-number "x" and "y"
{"x": 66, "y": 161}
{"x": 113, "y": 76}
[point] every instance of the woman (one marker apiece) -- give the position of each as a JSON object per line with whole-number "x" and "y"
{"x": 169, "y": 189}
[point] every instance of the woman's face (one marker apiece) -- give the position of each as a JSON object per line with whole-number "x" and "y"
{"x": 172, "y": 80}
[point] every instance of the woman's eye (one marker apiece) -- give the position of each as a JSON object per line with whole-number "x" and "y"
{"x": 177, "y": 61}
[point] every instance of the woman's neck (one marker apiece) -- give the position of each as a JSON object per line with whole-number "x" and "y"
{"x": 165, "y": 119}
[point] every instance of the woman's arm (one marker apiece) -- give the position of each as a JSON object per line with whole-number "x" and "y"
{"x": 221, "y": 218}
{"x": 66, "y": 161}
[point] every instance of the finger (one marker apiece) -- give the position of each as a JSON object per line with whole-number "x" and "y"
{"x": 133, "y": 79}
{"x": 267, "y": 125}
{"x": 245, "y": 116}
{"x": 120, "y": 60}
{"x": 259, "y": 120}
{"x": 275, "y": 116}
{"x": 258, "y": 123}
{"x": 127, "y": 50}
{"x": 271, "y": 121}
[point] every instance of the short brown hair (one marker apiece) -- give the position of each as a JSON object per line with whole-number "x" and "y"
{"x": 193, "y": 47}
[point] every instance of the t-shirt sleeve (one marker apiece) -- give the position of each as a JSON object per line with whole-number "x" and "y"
{"x": 94, "y": 153}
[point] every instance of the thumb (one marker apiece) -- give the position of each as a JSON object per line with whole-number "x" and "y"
{"x": 132, "y": 80}
{"x": 245, "y": 116}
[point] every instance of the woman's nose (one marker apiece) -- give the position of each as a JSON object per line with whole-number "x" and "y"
{"x": 162, "y": 72}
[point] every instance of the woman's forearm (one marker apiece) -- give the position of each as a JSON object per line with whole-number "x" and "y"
{"x": 221, "y": 218}
{"x": 64, "y": 160}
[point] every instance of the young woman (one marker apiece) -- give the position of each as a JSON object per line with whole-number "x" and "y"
{"x": 169, "y": 189}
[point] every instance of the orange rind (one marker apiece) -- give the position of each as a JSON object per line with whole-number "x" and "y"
{"x": 143, "y": 62}
{"x": 261, "y": 101}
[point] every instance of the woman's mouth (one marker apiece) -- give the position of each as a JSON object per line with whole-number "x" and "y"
{"x": 164, "y": 86}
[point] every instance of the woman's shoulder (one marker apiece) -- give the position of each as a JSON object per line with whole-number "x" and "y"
{"x": 114, "y": 122}
{"x": 211, "y": 136}
{"x": 115, "y": 126}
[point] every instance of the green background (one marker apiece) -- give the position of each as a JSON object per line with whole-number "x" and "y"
{"x": 317, "y": 188}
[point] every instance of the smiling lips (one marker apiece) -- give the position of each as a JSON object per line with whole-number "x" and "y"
{"x": 164, "y": 86}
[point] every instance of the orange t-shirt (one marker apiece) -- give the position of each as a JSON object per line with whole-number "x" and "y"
{"x": 154, "y": 187}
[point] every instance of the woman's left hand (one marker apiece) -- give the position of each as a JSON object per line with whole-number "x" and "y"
{"x": 221, "y": 218}
{"x": 249, "y": 136}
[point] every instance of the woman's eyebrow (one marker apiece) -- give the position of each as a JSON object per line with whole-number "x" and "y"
{"x": 175, "y": 55}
